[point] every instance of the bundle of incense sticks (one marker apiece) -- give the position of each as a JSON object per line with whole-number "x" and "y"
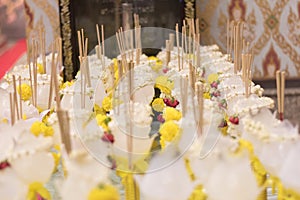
{"x": 100, "y": 49}
{"x": 32, "y": 67}
{"x": 247, "y": 62}
{"x": 119, "y": 36}
{"x": 56, "y": 60}
{"x": 42, "y": 40}
{"x": 280, "y": 83}
{"x": 199, "y": 92}
{"x": 84, "y": 65}
{"x": 238, "y": 45}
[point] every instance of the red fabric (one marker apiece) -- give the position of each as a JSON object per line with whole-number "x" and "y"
{"x": 9, "y": 58}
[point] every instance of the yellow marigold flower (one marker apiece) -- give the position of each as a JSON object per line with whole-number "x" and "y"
{"x": 99, "y": 110}
{"x": 37, "y": 188}
{"x": 26, "y": 91}
{"x": 169, "y": 130}
{"x": 212, "y": 77}
{"x": 102, "y": 120}
{"x": 56, "y": 156}
{"x": 66, "y": 84}
{"x": 24, "y": 116}
{"x": 158, "y": 104}
{"x": 206, "y": 95}
{"x": 4, "y": 120}
{"x": 40, "y": 68}
{"x": 36, "y": 128}
{"x": 156, "y": 67}
{"x": 171, "y": 113}
{"x": 107, "y": 104}
{"x": 49, "y": 131}
{"x": 104, "y": 192}
{"x": 164, "y": 84}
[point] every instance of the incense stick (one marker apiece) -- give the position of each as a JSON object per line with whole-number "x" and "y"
{"x": 99, "y": 42}
{"x": 12, "y": 112}
{"x": 103, "y": 45}
{"x": 131, "y": 111}
{"x": 282, "y": 88}
{"x": 16, "y": 106}
{"x": 177, "y": 42}
{"x": 79, "y": 46}
{"x": 278, "y": 86}
{"x": 56, "y": 85}
{"x": 20, "y": 99}
{"x": 172, "y": 40}
{"x": 51, "y": 78}
{"x": 227, "y": 37}
{"x": 199, "y": 89}
{"x": 86, "y": 64}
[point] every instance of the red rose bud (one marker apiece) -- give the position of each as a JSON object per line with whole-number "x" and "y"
{"x": 214, "y": 84}
{"x": 165, "y": 70}
{"x": 234, "y": 120}
{"x": 216, "y": 94}
{"x": 171, "y": 102}
{"x": 223, "y": 124}
{"x": 108, "y": 137}
{"x": 4, "y": 165}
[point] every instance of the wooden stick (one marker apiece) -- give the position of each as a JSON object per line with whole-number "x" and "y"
{"x": 34, "y": 92}
{"x": 56, "y": 85}
{"x": 231, "y": 39}
{"x": 64, "y": 125}
{"x": 278, "y": 86}
{"x": 12, "y": 110}
{"x": 227, "y": 34}
{"x": 197, "y": 27}
{"x": 235, "y": 49}
{"x": 131, "y": 111}
{"x": 99, "y": 42}
{"x": 198, "y": 51}
{"x": 42, "y": 45}
{"x": 59, "y": 43}
{"x": 86, "y": 64}
{"x": 16, "y": 107}
{"x": 172, "y": 40}
{"x": 183, "y": 92}
{"x": 182, "y": 47}
{"x": 192, "y": 76}
{"x": 20, "y": 99}
{"x": 103, "y": 45}
{"x": 199, "y": 90}
{"x": 282, "y": 89}
{"x": 82, "y": 38}
{"x": 51, "y": 78}
{"x": 177, "y": 42}
{"x": 79, "y": 46}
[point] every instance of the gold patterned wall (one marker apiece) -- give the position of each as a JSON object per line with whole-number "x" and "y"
{"x": 42, "y": 13}
{"x": 272, "y": 28}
